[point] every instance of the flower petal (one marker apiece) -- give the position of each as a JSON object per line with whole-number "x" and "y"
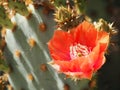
{"x": 103, "y": 40}
{"x": 86, "y": 34}
{"x": 59, "y": 45}
{"x": 85, "y": 65}
{"x": 80, "y": 67}
{"x": 79, "y": 75}
{"x": 97, "y": 58}
{"x": 99, "y": 62}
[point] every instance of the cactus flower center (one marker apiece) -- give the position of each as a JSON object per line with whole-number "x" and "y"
{"x": 78, "y": 50}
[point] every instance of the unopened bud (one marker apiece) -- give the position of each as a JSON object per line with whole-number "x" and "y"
{"x": 103, "y": 25}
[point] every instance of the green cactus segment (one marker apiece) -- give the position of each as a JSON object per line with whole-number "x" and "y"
{"x": 35, "y": 13}
{"x": 4, "y": 20}
{"x": 25, "y": 61}
{"x": 31, "y": 58}
{"x": 3, "y": 66}
{"x": 19, "y": 7}
{"x": 11, "y": 5}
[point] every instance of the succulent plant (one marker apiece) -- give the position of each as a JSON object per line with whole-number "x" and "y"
{"x": 26, "y": 50}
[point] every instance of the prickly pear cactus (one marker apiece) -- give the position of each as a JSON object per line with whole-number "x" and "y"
{"x": 27, "y": 54}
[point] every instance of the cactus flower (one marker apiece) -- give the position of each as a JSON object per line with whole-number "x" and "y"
{"x": 78, "y": 53}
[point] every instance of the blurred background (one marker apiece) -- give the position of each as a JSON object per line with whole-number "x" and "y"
{"x": 109, "y": 74}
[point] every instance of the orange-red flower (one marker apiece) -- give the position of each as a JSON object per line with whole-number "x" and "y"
{"x": 80, "y": 52}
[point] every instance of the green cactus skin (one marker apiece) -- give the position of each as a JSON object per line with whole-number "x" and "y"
{"x": 4, "y": 20}
{"x": 18, "y": 6}
{"x": 25, "y": 61}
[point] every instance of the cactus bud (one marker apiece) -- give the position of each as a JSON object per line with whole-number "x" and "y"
{"x": 103, "y": 25}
